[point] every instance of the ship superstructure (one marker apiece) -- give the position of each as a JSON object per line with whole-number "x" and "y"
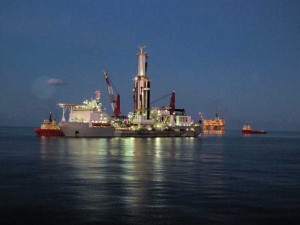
{"x": 89, "y": 119}
{"x": 87, "y": 111}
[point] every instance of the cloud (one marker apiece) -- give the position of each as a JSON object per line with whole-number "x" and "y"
{"x": 55, "y": 82}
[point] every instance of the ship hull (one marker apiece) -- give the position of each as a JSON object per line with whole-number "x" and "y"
{"x": 254, "y": 132}
{"x": 157, "y": 133}
{"x": 48, "y": 132}
{"x": 73, "y": 129}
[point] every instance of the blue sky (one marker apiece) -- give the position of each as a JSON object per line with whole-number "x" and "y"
{"x": 240, "y": 58}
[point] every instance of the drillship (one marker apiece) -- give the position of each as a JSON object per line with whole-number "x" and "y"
{"x": 90, "y": 119}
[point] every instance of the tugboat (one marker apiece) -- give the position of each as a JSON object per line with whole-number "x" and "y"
{"x": 248, "y": 130}
{"x": 49, "y": 128}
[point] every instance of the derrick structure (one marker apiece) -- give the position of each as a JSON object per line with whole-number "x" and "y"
{"x": 141, "y": 90}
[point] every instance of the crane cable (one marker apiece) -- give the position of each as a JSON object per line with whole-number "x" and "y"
{"x": 161, "y": 98}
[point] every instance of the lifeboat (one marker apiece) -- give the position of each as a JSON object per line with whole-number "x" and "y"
{"x": 49, "y": 128}
{"x": 248, "y": 130}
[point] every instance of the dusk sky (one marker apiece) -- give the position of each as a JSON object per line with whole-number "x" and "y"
{"x": 240, "y": 58}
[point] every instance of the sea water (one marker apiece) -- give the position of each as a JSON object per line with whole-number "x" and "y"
{"x": 224, "y": 178}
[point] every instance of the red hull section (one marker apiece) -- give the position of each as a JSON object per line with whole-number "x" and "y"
{"x": 48, "y": 132}
{"x": 254, "y": 132}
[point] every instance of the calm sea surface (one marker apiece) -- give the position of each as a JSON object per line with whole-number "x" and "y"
{"x": 213, "y": 179}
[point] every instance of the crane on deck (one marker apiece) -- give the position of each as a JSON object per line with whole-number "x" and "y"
{"x": 171, "y": 108}
{"x": 114, "y": 100}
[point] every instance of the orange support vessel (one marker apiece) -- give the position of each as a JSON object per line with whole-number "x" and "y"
{"x": 49, "y": 128}
{"x": 248, "y": 130}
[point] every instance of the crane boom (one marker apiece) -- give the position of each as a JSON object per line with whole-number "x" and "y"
{"x": 172, "y": 103}
{"x": 114, "y": 101}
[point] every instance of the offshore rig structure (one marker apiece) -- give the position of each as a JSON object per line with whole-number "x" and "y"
{"x": 216, "y": 124}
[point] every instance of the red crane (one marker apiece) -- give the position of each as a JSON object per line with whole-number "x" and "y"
{"x": 114, "y": 101}
{"x": 172, "y": 103}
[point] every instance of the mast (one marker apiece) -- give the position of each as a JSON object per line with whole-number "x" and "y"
{"x": 141, "y": 90}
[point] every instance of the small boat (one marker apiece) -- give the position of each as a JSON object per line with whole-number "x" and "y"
{"x": 248, "y": 130}
{"x": 49, "y": 128}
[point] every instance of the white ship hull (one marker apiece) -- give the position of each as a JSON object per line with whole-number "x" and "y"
{"x": 74, "y": 129}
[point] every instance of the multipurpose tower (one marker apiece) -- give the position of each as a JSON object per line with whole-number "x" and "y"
{"x": 141, "y": 90}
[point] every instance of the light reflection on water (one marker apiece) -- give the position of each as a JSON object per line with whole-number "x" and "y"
{"x": 134, "y": 175}
{"x": 214, "y": 179}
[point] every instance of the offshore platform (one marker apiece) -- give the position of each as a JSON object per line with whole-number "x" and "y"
{"x": 216, "y": 124}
